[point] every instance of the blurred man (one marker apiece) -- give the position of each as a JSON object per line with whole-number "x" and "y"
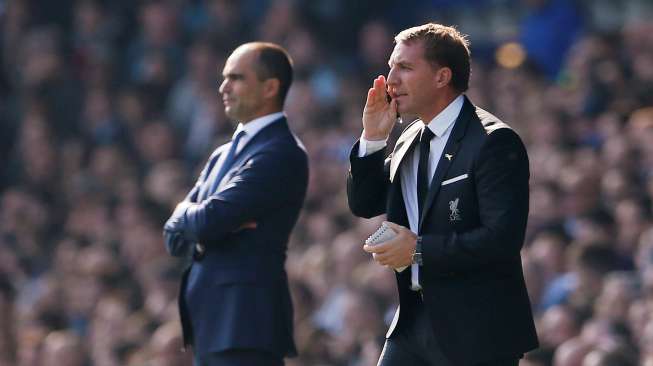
{"x": 235, "y": 304}
{"x": 7, "y": 331}
{"x": 455, "y": 189}
{"x": 63, "y": 348}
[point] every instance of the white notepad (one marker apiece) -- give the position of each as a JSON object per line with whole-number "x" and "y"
{"x": 381, "y": 235}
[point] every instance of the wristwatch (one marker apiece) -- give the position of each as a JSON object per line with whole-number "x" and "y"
{"x": 417, "y": 255}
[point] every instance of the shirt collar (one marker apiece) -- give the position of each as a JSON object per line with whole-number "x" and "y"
{"x": 253, "y": 127}
{"x": 445, "y": 119}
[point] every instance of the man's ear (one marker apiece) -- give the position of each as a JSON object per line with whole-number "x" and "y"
{"x": 271, "y": 88}
{"x": 443, "y": 77}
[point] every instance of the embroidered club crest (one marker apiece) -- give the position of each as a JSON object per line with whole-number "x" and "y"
{"x": 454, "y": 215}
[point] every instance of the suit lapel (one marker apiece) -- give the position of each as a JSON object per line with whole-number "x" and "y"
{"x": 205, "y": 184}
{"x": 448, "y": 156}
{"x": 405, "y": 143}
{"x": 252, "y": 146}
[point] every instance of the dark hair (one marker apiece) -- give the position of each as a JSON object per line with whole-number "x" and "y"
{"x": 598, "y": 257}
{"x": 273, "y": 62}
{"x": 443, "y": 47}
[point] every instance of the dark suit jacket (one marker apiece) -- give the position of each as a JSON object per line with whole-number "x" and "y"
{"x": 472, "y": 231}
{"x": 236, "y": 295}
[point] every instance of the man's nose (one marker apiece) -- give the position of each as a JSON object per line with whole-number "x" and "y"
{"x": 392, "y": 80}
{"x": 223, "y": 87}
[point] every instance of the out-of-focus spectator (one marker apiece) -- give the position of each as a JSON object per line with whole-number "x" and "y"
{"x": 616, "y": 297}
{"x": 548, "y": 32}
{"x": 165, "y": 345}
{"x": 621, "y": 357}
{"x": 192, "y": 106}
{"x": 223, "y": 22}
{"x": 557, "y": 325}
{"x": 571, "y": 353}
{"x": 8, "y": 331}
{"x": 580, "y": 286}
{"x": 63, "y": 348}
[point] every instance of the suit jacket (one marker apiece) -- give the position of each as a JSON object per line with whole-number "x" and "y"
{"x": 472, "y": 229}
{"x": 236, "y": 294}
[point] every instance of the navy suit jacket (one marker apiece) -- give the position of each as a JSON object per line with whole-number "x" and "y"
{"x": 472, "y": 229}
{"x": 236, "y": 295}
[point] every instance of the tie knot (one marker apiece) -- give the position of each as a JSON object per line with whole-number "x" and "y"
{"x": 235, "y": 140}
{"x": 426, "y": 135}
{"x": 238, "y": 135}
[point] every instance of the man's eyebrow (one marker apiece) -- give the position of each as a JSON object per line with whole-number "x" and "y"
{"x": 233, "y": 75}
{"x": 399, "y": 63}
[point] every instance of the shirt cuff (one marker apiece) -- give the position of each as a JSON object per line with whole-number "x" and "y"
{"x": 368, "y": 147}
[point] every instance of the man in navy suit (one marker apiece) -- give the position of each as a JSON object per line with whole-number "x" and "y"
{"x": 455, "y": 189}
{"x": 234, "y": 301}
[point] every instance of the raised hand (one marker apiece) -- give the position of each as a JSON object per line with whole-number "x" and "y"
{"x": 379, "y": 115}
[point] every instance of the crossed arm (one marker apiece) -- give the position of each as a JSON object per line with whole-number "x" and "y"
{"x": 268, "y": 180}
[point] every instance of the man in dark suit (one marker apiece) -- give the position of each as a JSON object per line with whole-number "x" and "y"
{"x": 234, "y": 302}
{"x": 455, "y": 189}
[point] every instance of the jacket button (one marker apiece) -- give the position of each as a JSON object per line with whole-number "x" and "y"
{"x": 199, "y": 252}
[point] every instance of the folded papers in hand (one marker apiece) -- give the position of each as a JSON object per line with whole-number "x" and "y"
{"x": 381, "y": 235}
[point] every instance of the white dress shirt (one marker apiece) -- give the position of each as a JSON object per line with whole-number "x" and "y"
{"x": 441, "y": 126}
{"x": 253, "y": 127}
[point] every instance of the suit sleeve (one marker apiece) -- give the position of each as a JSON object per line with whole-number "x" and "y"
{"x": 269, "y": 179}
{"x": 175, "y": 242}
{"x": 367, "y": 183}
{"x": 501, "y": 176}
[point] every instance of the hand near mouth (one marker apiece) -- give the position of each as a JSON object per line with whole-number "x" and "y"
{"x": 379, "y": 115}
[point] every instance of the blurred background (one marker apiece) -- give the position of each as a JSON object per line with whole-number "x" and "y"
{"x": 109, "y": 108}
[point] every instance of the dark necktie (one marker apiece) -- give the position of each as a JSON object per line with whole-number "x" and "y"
{"x": 423, "y": 168}
{"x": 216, "y": 175}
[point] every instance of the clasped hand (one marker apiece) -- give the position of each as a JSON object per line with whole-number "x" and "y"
{"x": 397, "y": 252}
{"x": 173, "y": 231}
{"x": 177, "y": 221}
{"x": 178, "y": 239}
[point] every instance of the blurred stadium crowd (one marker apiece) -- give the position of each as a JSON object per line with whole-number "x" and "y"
{"x": 108, "y": 110}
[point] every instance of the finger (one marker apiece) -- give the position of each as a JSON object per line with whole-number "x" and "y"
{"x": 392, "y": 243}
{"x": 388, "y": 259}
{"x": 384, "y": 246}
{"x": 380, "y": 259}
{"x": 379, "y": 85}
{"x": 397, "y": 228}
{"x": 372, "y": 248}
{"x": 384, "y": 259}
{"x": 370, "y": 96}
